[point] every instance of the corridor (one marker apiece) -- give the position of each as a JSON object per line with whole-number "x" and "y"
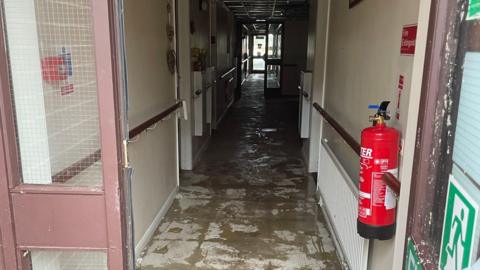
{"x": 249, "y": 204}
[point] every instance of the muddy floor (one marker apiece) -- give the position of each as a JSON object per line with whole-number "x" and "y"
{"x": 249, "y": 204}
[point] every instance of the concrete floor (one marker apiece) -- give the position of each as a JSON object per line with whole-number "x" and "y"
{"x": 249, "y": 203}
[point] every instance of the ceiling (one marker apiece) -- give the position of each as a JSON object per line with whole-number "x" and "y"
{"x": 251, "y": 10}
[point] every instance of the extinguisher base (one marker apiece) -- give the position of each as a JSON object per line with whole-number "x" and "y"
{"x": 372, "y": 232}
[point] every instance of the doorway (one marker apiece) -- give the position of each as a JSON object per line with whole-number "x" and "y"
{"x": 273, "y": 60}
{"x": 266, "y": 52}
{"x": 258, "y": 55}
{"x": 61, "y": 162}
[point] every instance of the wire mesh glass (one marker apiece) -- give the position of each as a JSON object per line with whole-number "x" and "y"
{"x": 53, "y": 83}
{"x": 68, "y": 260}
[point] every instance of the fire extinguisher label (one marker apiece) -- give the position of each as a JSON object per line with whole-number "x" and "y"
{"x": 378, "y": 189}
{"x": 364, "y": 197}
{"x": 390, "y": 200}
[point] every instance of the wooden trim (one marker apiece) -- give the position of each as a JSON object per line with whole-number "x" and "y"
{"x": 111, "y": 126}
{"x": 341, "y": 131}
{"x": 353, "y": 3}
{"x": 431, "y": 131}
{"x": 152, "y": 121}
{"x": 392, "y": 182}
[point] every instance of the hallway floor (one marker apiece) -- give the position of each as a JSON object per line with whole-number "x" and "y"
{"x": 249, "y": 204}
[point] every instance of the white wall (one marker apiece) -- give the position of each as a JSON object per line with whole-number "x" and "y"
{"x": 364, "y": 64}
{"x": 151, "y": 89}
{"x": 363, "y": 67}
{"x": 316, "y": 61}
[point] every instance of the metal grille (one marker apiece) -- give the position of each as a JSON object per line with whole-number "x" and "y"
{"x": 54, "y": 88}
{"x": 267, "y": 9}
{"x": 69, "y": 260}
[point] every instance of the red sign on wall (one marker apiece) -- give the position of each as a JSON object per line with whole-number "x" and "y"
{"x": 409, "y": 38}
{"x": 401, "y": 86}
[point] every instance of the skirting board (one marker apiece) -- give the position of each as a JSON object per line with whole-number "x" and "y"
{"x": 147, "y": 236}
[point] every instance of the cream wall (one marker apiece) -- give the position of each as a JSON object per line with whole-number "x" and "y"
{"x": 363, "y": 67}
{"x": 151, "y": 89}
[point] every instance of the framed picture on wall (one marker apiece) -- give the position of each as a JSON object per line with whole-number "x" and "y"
{"x": 354, "y": 3}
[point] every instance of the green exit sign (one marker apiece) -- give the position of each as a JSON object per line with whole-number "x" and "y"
{"x": 473, "y": 10}
{"x": 460, "y": 230}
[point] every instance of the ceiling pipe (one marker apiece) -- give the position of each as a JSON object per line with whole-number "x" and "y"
{"x": 273, "y": 9}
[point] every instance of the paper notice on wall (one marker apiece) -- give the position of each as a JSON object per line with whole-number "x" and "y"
{"x": 67, "y": 86}
{"x": 473, "y": 10}
{"x": 67, "y": 89}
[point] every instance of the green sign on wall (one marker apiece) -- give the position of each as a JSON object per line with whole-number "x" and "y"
{"x": 412, "y": 261}
{"x": 473, "y": 10}
{"x": 459, "y": 229}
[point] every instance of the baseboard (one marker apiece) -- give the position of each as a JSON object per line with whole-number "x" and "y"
{"x": 148, "y": 235}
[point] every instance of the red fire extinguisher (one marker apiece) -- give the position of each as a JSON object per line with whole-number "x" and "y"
{"x": 380, "y": 147}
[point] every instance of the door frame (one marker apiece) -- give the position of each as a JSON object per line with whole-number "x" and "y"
{"x": 253, "y": 70}
{"x": 274, "y": 92}
{"x": 435, "y": 18}
{"x": 16, "y": 238}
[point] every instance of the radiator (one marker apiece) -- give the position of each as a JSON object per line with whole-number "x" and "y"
{"x": 339, "y": 196}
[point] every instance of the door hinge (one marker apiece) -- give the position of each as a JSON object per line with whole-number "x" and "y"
{"x": 126, "y": 164}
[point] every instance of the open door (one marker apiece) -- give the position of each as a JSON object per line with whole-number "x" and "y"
{"x": 61, "y": 191}
{"x": 273, "y": 60}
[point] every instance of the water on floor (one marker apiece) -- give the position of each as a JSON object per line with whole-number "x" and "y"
{"x": 249, "y": 204}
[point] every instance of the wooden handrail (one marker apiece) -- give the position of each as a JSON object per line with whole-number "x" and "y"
{"x": 152, "y": 121}
{"x": 341, "y": 131}
{"x": 228, "y": 72}
{"x": 389, "y": 179}
{"x": 392, "y": 182}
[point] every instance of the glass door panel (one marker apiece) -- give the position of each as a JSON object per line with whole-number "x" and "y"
{"x": 259, "y": 50}
{"x": 68, "y": 260}
{"x": 275, "y": 34}
{"x": 53, "y": 86}
{"x": 61, "y": 161}
{"x": 273, "y": 76}
{"x": 273, "y": 60}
